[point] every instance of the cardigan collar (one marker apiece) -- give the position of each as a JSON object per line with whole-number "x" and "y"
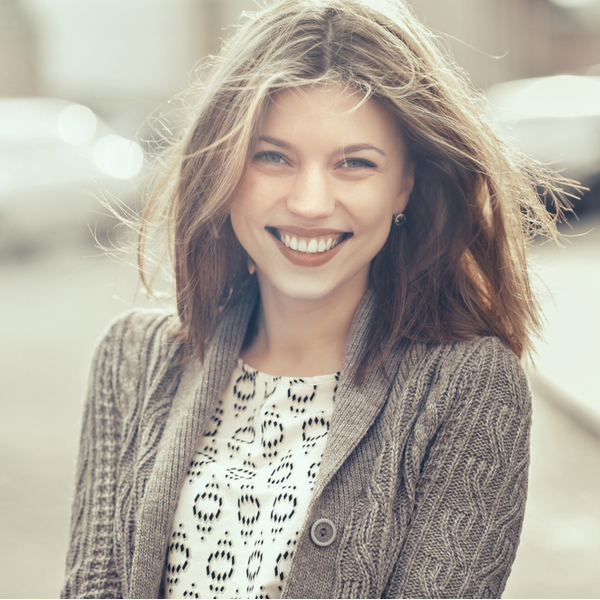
{"x": 355, "y": 407}
{"x": 198, "y": 393}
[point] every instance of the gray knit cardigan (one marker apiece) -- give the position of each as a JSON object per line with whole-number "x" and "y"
{"x": 424, "y": 473}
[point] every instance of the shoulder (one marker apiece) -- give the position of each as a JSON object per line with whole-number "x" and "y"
{"x": 135, "y": 348}
{"x": 466, "y": 403}
{"x": 140, "y": 327}
{"x": 483, "y": 359}
{"x": 487, "y": 367}
{"x": 482, "y": 370}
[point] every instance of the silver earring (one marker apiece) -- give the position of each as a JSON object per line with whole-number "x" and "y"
{"x": 399, "y": 219}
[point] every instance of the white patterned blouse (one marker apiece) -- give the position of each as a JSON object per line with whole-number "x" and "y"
{"x": 248, "y": 487}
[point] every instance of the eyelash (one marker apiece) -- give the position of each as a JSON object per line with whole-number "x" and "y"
{"x": 280, "y": 159}
{"x": 265, "y": 156}
{"x": 367, "y": 164}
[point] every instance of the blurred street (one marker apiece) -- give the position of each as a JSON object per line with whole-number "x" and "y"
{"x": 77, "y": 83}
{"x": 56, "y": 308}
{"x": 560, "y": 548}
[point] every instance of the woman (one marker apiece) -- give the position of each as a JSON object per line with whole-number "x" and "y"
{"x": 338, "y": 409}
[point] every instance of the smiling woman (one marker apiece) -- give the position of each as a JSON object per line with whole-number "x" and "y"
{"x": 337, "y": 410}
{"x": 313, "y": 209}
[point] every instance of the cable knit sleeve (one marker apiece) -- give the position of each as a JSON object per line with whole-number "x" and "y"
{"x": 91, "y": 571}
{"x": 471, "y": 482}
{"x": 125, "y": 371}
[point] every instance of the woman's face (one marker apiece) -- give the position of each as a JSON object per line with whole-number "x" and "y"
{"x": 316, "y": 202}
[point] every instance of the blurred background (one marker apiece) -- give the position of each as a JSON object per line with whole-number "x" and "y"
{"x": 77, "y": 81}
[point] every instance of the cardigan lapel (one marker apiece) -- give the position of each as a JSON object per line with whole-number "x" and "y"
{"x": 355, "y": 407}
{"x": 198, "y": 392}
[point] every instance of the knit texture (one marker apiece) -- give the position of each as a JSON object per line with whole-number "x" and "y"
{"x": 424, "y": 473}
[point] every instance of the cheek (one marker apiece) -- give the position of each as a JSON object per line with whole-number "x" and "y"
{"x": 248, "y": 213}
{"x": 255, "y": 196}
{"x": 239, "y": 215}
{"x": 244, "y": 205}
{"x": 376, "y": 209}
{"x": 236, "y": 211}
{"x": 375, "y": 229}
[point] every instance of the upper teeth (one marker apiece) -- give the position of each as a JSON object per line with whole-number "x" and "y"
{"x": 309, "y": 245}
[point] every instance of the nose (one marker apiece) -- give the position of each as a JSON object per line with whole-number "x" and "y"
{"x": 311, "y": 196}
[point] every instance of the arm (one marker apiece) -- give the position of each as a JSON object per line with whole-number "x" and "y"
{"x": 91, "y": 570}
{"x": 470, "y": 498}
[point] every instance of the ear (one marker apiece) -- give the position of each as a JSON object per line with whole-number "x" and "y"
{"x": 406, "y": 186}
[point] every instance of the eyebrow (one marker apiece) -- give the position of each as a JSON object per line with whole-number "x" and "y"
{"x": 346, "y": 150}
{"x": 275, "y": 142}
{"x": 359, "y": 147}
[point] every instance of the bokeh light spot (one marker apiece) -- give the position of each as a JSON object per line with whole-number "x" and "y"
{"x": 118, "y": 157}
{"x": 76, "y": 124}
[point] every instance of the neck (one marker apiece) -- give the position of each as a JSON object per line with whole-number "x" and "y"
{"x": 302, "y": 338}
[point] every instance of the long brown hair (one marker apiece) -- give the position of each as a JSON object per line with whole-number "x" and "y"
{"x": 456, "y": 269}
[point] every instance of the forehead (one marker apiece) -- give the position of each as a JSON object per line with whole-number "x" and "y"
{"x": 331, "y": 111}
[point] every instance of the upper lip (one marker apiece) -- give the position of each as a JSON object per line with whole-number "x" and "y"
{"x": 307, "y": 233}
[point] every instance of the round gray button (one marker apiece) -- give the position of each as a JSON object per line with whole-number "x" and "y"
{"x": 323, "y": 532}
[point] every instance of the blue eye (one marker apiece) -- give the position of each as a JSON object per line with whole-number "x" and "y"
{"x": 357, "y": 163}
{"x": 270, "y": 157}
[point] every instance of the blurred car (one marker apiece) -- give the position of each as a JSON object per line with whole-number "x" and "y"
{"x": 56, "y": 159}
{"x": 557, "y": 121}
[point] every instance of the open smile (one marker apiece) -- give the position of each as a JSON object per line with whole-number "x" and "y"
{"x": 312, "y": 250}
{"x": 316, "y": 244}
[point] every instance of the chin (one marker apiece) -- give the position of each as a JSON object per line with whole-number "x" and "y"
{"x": 314, "y": 289}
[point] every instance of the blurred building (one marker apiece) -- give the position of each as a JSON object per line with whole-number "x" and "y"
{"x": 18, "y": 51}
{"x": 499, "y": 40}
{"x": 124, "y": 57}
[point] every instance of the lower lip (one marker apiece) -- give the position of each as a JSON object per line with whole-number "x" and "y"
{"x": 308, "y": 259}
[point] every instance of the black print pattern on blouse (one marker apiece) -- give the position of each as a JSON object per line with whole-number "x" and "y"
{"x": 250, "y": 482}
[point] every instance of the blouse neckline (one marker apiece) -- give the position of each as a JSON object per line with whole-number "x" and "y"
{"x": 286, "y": 379}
